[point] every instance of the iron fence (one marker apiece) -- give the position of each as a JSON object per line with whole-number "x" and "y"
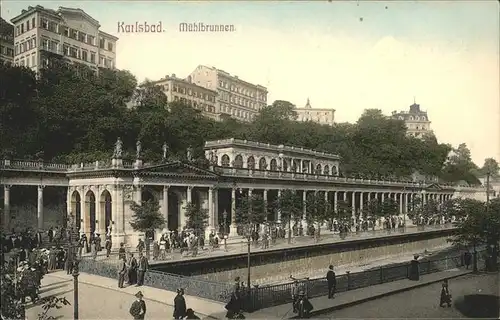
{"x": 272, "y": 295}
{"x": 161, "y": 280}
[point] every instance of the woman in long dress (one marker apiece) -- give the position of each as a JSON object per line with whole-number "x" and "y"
{"x": 445, "y": 295}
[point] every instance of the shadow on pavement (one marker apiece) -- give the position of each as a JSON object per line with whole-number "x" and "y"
{"x": 479, "y": 306}
{"x": 47, "y": 288}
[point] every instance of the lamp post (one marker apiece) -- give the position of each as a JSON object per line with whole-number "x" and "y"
{"x": 249, "y": 236}
{"x": 224, "y": 216}
{"x": 72, "y": 254}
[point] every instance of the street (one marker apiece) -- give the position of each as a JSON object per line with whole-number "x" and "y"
{"x": 94, "y": 302}
{"x": 474, "y": 296}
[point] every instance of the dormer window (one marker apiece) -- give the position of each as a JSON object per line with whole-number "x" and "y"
{"x": 401, "y": 118}
{"x": 411, "y": 118}
{"x": 417, "y": 118}
{"x": 423, "y": 118}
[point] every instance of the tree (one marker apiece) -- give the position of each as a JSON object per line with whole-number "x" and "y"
{"x": 372, "y": 211}
{"x": 344, "y": 212}
{"x": 290, "y": 206}
{"x": 146, "y": 218}
{"x": 389, "y": 208}
{"x": 317, "y": 211}
{"x": 431, "y": 211}
{"x": 251, "y": 212}
{"x": 197, "y": 218}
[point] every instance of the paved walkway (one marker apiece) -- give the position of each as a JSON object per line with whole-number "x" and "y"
{"x": 352, "y": 297}
{"x": 107, "y": 289}
{"x": 239, "y": 245}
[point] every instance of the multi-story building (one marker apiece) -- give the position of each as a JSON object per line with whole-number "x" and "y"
{"x": 416, "y": 120}
{"x": 184, "y": 90}
{"x": 70, "y": 33}
{"x": 6, "y": 42}
{"x": 239, "y": 99}
{"x": 321, "y": 116}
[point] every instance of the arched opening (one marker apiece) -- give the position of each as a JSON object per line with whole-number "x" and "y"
{"x": 274, "y": 165}
{"x": 106, "y": 207}
{"x": 238, "y": 161}
{"x": 251, "y": 163}
{"x": 295, "y": 165}
{"x": 318, "y": 169}
{"x": 262, "y": 164}
{"x": 335, "y": 171}
{"x": 285, "y": 165}
{"x": 76, "y": 207}
{"x": 147, "y": 195}
{"x": 326, "y": 170}
{"x": 90, "y": 214}
{"x": 173, "y": 211}
{"x": 225, "y": 160}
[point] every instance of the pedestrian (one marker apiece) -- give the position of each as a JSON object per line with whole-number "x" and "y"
{"x": 122, "y": 270}
{"x": 50, "y": 233}
{"x": 121, "y": 252}
{"x": 132, "y": 270}
{"x": 233, "y": 307}
{"x": 445, "y": 295}
{"x": 295, "y": 295}
{"x": 467, "y": 259}
{"x": 156, "y": 250}
{"x": 138, "y": 308}
{"x": 140, "y": 245}
{"x": 414, "y": 273}
{"x": 179, "y": 305}
{"x": 141, "y": 269}
{"x": 108, "y": 245}
{"x": 332, "y": 282}
{"x": 190, "y": 315}
{"x": 93, "y": 249}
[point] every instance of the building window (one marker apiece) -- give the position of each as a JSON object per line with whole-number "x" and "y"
{"x": 45, "y": 44}
{"x": 110, "y": 46}
{"x": 45, "y": 23}
{"x": 73, "y": 52}
{"x": 101, "y": 43}
{"x": 18, "y": 30}
{"x": 27, "y": 25}
{"x": 33, "y": 23}
{"x": 81, "y": 37}
{"x": 92, "y": 57}
{"x": 84, "y": 55}
{"x": 66, "y": 49}
{"x": 22, "y": 28}
{"x": 33, "y": 43}
{"x": 91, "y": 40}
{"x": 33, "y": 60}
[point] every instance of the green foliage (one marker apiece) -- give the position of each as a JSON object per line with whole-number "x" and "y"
{"x": 251, "y": 211}
{"x": 49, "y": 303}
{"x": 317, "y": 208}
{"x": 146, "y": 216}
{"x": 372, "y": 210}
{"x": 85, "y": 113}
{"x": 389, "y": 207}
{"x": 290, "y": 205}
{"x": 344, "y": 211}
{"x": 197, "y": 218}
{"x": 471, "y": 222}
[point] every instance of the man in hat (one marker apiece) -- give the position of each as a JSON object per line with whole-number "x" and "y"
{"x": 138, "y": 308}
{"x": 414, "y": 273}
{"x": 122, "y": 270}
{"x": 332, "y": 282}
{"x": 141, "y": 269}
{"x": 179, "y": 305}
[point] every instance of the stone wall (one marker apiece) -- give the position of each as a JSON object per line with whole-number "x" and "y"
{"x": 25, "y": 216}
{"x": 278, "y": 271}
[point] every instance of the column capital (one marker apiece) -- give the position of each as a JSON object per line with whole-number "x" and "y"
{"x": 165, "y": 188}
{"x": 190, "y": 187}
{"x": 41, "y": 187}
{"x": 7, "y": 186}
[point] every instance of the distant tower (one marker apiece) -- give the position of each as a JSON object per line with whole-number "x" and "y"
{"x": 308, "y": 104}
{"x": 416, "y": 120}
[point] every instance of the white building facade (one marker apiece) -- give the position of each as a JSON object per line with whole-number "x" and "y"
{"x": 318, "y": 115}
{"x": 40, "y": 33}
{"x": 99, "y": 194}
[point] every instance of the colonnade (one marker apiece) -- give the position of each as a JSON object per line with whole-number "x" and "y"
{"x": 99, "y": 207}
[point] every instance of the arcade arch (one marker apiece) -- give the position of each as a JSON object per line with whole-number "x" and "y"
{"x": 76, "y": 207}
{"x": 106, "y": 211}
{"x": 90, "y": 206}
{"x": 238, "y": 161}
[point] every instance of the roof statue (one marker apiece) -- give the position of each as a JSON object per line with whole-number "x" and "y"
{"x": 308, "y": 104}
{"x": 118, "y": 152}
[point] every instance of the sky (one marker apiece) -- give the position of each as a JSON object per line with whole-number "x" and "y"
{"x": 348, "y": 56}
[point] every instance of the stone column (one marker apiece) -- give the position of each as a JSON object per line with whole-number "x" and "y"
{"x": 304, "y": 210}
{"x": 6, "y": 206}
{"x": 278, "y": 212}
{"x": 216, "y": 208}
{"x": 265, "y": 200}
{"x": 382, "y": 197}
{"x": 39, "y": 208}
{"x": 361, "y": 201}
{"x": 345, "y": 196}
{"x": 211, "y": 214}
{"x": 353, "y": 204}
{"x": 138, "y": 194}
{"x": 401, "y": 203}
{"x": 189, "y": 194}
{"x": 114, "y": 211}
{"x": 335, "y": 194}
{"x": 164, "y": 205}
{"x": 233, "y": 228}
{"x": 83, "y": 223}
{"x": 100, "y": 225}
{"x": 407, "y": 202}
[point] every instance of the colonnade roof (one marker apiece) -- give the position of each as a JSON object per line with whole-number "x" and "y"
{"x": 10, "y": 169}
{"x": 281, "y": 149}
